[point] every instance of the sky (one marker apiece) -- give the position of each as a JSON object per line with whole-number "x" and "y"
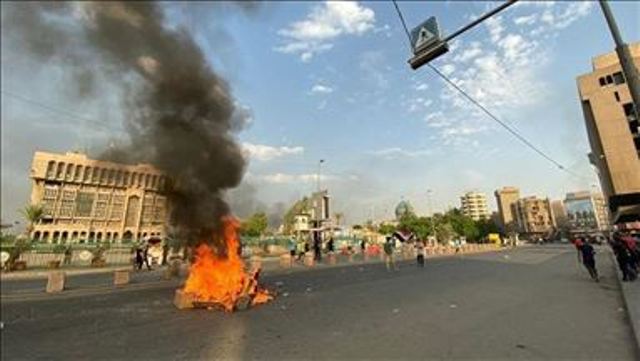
{"x": 330, "y": 81}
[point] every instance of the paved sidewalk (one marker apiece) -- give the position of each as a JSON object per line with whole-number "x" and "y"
{"x": 631, "y": 297}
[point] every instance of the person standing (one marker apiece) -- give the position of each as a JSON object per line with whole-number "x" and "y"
{"x": 138, "y": 260}
{"x": 589, "y": 260}
{"x": 624, "y": 258}
{"x": 145, "y": 256}
{"x": 388, "y": 251}
{"x": 420, "y": 248}
{"x": 68, "y": 253}
{"x": 330, "y": 245}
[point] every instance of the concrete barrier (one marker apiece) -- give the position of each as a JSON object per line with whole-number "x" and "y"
{"x": 331, "y": 258}
{"x": 55, "y": 282}
{"x": 286, "y": 261}
{"x": 121, "y": 277}
{"x": 309, "y": 260}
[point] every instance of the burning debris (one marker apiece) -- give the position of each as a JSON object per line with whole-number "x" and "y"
{"x": 218, "y": 279}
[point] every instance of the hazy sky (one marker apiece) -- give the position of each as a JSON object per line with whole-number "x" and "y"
{"x": 331, "y": 81}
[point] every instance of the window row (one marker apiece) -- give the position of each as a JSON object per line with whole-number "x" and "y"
{"x": 615, "y": 78}
{"x": 90, "y": 237}
{"x": 109, "y": 176}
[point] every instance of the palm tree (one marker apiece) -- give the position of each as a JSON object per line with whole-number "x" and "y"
{"x": 33, "y": 213}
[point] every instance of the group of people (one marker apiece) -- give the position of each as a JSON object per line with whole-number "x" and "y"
{"x": 142, "y": 257}
{"x": 624, "y": 247}
{"x": 627, "y": 254}
{"x": 389, "y": 251}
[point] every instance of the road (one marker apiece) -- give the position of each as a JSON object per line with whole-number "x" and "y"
{"x": 530, "y": 303}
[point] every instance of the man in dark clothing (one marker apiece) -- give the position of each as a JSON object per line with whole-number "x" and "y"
{"x": 316, "y": 246}
{"x": 589, "y": 260}
{"x": 624, "y": 259}
{"x": 139, "y": 260}
{"x": 330, "y": 247}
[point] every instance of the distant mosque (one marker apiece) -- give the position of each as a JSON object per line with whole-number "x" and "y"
{"x": 403, "y": 208}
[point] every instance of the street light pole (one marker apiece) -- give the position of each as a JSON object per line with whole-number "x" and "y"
{"x": 624, "y": 55}
{"x": 318, "y": 174}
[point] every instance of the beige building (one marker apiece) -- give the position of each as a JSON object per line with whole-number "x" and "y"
{"x": 474, "y": 205}
{"x": 613, "y": 130}
{"x": 506, "y": 198}
{"x": 534, "y": 216}
{"x": 87, "y": 200}
{"x": 559, "y": 213}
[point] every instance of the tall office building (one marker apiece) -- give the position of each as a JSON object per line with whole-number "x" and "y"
{"x": 614, "y": 133}
{"x": 474, "y": 205}
{"x": 506, "y": 198}
{"x": 88, "y": 200}
{"x": 586, "y": 212}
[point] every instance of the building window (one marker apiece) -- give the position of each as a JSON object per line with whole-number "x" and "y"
{"x": 159, "y": 210}
{"x": 125, "y": 181}
{"x": 132, "y": 181}
{"x": 78, "y": 174}
{"x": 618, "y": 78}
{"x": 609, "y": 79}
{"x": 60, "y": 170}
{"x": 87, "y": 175}
{"x": 49, "y": 200}
{"x": 103, "y": 176}
{"x": 50, "y": 169}
{"x": 101, "y": 205}
{"x": 147, "y": 209}
{"x": 629, "y": 113}
{"x": 95, "y": 177}
{"x": 119, "y": 178}
{"x": 69, "y": 173}
{"x": 84, "y": 204}
{"x": 140, "y": 179}
{"x": 617, "y": 96}
{"x": 67, "y": 204}
{"x": 112, "y": 176}
{"x": 154, "y": 181}
{"x": 147, "y": 180}
{"x": 602, "y": 81}
{"x": 117, "y": 207}
{"x": 132, "y": 211}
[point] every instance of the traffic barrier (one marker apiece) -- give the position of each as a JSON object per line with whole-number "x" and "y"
{"x": 121, "y": 277}
{"x": 56, "y": 281}
{"x": 309, "y": 259}
{"x": 286, "y": 260}
{"x": 256, "y": 262}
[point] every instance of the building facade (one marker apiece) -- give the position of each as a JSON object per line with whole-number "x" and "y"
{"x": 474, "y": 205}
{"x": 614, "y": 133}
{"x": 586, "y": 212}
{"x": 506, "y": 198}
{"x": 91, "y": 201}
{"x": 534, "y": 216}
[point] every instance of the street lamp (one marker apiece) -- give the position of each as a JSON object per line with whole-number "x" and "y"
{"x": 318, "y": 174}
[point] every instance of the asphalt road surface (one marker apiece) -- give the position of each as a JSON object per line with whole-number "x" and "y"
{"x": 530, "y": 303}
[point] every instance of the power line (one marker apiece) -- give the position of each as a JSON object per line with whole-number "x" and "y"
{"x": 510, "y": 129}
{"x": 51, "y": 108}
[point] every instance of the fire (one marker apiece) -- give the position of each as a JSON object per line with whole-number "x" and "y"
{"x": 222, "y": 279}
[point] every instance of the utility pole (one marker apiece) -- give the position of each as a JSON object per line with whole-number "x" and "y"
{"x": 624, "y": 55}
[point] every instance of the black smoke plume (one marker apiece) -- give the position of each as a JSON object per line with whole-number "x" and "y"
{"x": 180, "y": 115}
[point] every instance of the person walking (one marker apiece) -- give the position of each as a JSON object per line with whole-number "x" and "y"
{"x": 420, "y": 248}
{"x": 138, "y": 260}
{"x": 624, "y": 259}
{"x": 145, "y": 256}
{"x": 68, "y": 253}
{"x": 389, "y": 257}
{"x": 589, "y": 260}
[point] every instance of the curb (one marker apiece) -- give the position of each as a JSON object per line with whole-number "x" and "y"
{"x": 634, "y": 319}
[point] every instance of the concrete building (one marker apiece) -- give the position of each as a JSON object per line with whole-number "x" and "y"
{"x": 560, "y": 214}
{"x": 586, "y": 212}
{"x": 613, "y": 130}
{"x": 474, "y": 205}
{"x": 534, "y": 216}
{"x": 87, "y": 200}
{"x": 506, "y": 198}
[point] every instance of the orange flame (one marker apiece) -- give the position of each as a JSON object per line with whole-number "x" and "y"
{"x": 222, "y": 279}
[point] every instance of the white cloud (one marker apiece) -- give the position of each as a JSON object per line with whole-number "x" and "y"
{"x": 526, "y": 20}
{"x": 422, "y": 86}
{"x": 267, "y": 152}
{"x": 469, "y": 53}
{"x": 324, "y": 24}
{"x": 286, "y": 178}
{"x": 397, "y": 152}
{"x": 321, "y": 89}
{"x": 448, "y": 69}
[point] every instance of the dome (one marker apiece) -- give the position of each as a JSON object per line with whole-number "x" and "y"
{"x": 403, "y": 208}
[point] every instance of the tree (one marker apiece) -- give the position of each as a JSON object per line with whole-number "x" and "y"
{"x": 32, "y": 213}
{"x": 300, "y": 206}
{"x": 486, "y": 226}
{"x": 255, "y": 225}
{"x": 386, "y": 228}
{"x": 445, "y": 232}
{"x": 462, "y": 225}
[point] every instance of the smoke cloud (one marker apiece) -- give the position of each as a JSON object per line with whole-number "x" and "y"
{"x": 180, "y": 115}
